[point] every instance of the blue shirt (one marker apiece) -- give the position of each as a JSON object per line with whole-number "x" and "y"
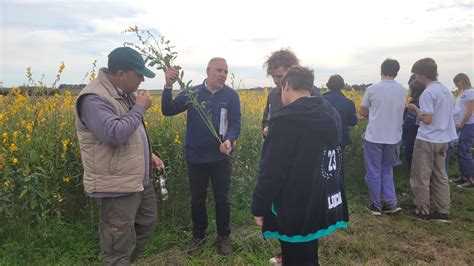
{"x": 200, "y": 145}
{"x": 346, "y": 109}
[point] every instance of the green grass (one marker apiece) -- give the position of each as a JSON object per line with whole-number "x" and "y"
{"x": 391, "y": 239}
{"x": 398, "y": 239}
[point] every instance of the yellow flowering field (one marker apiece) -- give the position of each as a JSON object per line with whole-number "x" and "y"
{"x": 40, "y": 159}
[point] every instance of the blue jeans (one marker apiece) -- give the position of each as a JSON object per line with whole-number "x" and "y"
{"x": 379, "y": 159}
{"x": 448, "y": 156}
{"x": 466, "y": 139}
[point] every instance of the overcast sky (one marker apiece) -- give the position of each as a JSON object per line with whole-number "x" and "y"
{"x": 350, "y": 38}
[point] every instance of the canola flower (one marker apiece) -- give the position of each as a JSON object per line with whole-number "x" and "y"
{"x": 13, "y": 147}
{"x": 355, "y": 96}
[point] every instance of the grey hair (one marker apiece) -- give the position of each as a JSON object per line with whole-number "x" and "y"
{"x": 214, "y": 60}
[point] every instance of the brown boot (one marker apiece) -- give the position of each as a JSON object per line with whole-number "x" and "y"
{"x": 194, "y": 244}
{"x": 225, "y": 244}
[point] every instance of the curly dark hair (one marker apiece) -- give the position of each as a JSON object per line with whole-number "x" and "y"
{"x": 282, "y": 58}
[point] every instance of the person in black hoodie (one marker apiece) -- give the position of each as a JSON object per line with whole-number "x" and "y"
{"x": 300, "y": 195}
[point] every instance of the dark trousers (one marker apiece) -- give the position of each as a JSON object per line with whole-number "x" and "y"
{"x": 199, "y": 174}
{"x": 301, "y": 254}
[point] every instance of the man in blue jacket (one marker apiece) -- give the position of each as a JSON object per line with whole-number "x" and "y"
{"x": 300, "y": 195}
{"x": 206, "y": 157}
{"x": 344, "y": 106}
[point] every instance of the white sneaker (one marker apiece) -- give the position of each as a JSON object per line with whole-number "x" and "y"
{"x": 277, "y": 260}
{"x": 391, "y": 211}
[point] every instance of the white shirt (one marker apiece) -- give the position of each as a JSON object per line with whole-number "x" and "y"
{"x": 460, "y": 106}
{"x": 438, "y": 101}
{"x": 386, "y": 102}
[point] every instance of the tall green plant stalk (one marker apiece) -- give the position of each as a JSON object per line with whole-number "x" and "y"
{"x": 160, "y": 54}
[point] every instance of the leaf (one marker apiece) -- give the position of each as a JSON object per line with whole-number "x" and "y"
{"x": 23, "y": 192}
{"x": 33, "y": 155}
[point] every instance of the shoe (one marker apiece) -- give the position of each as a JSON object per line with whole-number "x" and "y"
{"x": 421, "y": 216}
{"x": 373, "y": 210}
{"x": 388, "y": 210}
{"x": 277, "y": 260}
{"x": 459, "y": 180}
{"x": 195, "y": 244}
{"x": 467, "y": 184}
{"x": 225, "y": 244}
{"x": 439, "y": 217}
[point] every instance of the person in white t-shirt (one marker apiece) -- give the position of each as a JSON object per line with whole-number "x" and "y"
{"x": 465, "y": 126}
{"x": 383, "y": 104}
{"x": 428, "y": 178}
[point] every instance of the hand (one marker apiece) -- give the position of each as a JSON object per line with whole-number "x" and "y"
{"x": 265, "y": 131}
{"x": 157, "y": 162}
{"x": 143, "y": 99}
{"x": 412, "y": 107}
{"x": 226, "y": 147}
{"x": 171, "y": 75}
{"x": 361, "y": 117}
{"x": 258, "y": 220}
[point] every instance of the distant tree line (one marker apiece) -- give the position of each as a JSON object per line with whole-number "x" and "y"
{"x": 41, "y": 90}
{"x": 75, "y": 89}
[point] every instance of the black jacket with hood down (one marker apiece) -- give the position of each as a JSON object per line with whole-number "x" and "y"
{"x": 300, "y": 186}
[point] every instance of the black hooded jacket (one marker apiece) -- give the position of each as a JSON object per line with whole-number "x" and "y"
{"x": 300, "y": 186}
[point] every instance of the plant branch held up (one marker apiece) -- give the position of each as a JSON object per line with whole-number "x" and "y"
{"x": 159, "y": 54}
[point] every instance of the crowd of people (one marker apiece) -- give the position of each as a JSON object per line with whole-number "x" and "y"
{"x": 299, "y": 194}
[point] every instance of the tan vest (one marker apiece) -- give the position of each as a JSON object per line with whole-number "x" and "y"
{"x": 108, "y": 169}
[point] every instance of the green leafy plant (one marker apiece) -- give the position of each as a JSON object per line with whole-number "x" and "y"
{"x": 160, "y": 54}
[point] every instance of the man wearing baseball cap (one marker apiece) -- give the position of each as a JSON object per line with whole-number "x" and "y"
{"x": 117, "y": 157}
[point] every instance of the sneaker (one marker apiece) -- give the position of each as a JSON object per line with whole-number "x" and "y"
{"x": 195, "y": 244}
{"x": 225, "y": 244}
{"x": 439, "y": 217}
{"x": 467, "y": 184}
{"x": 459, "y": 180}
{"x": 421, "y": 216}
{"x": 373, "y": 210}
{"x": 388, "y": 210}
{"x": 277, "y": 260}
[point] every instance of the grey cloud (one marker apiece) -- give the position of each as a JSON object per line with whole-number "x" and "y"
{"x": 458, "y": 4}
{"x": 61, "y": 15}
